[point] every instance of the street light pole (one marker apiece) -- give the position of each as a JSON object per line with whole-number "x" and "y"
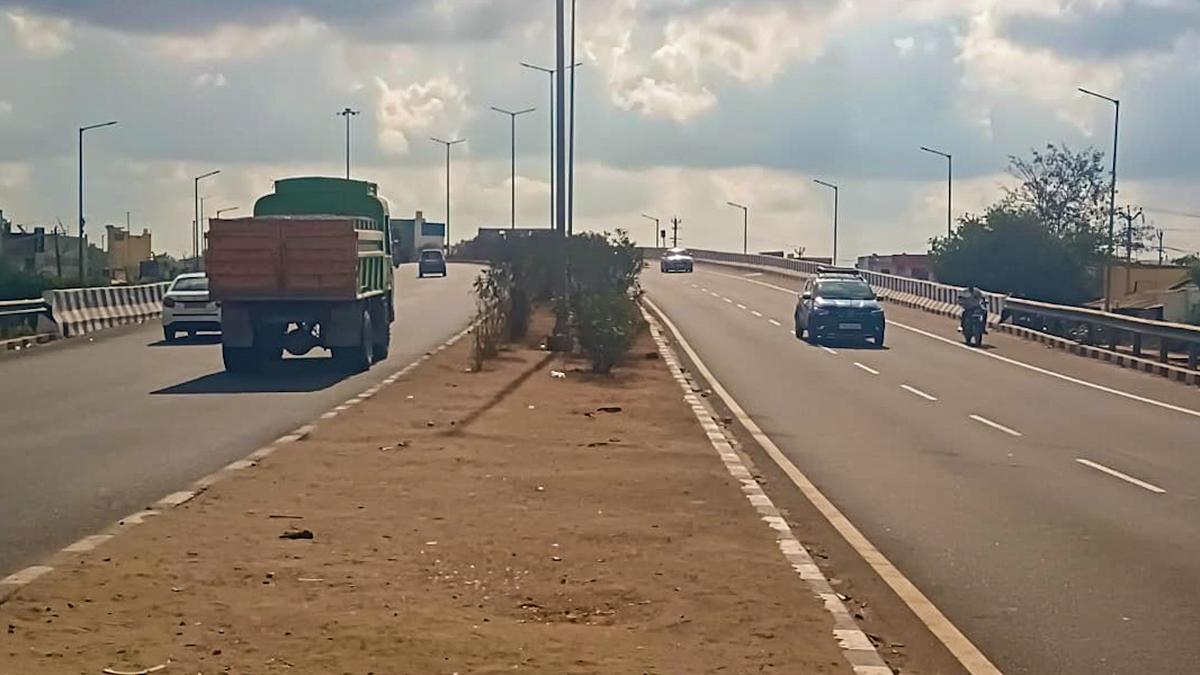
{"x": 656, "y": 230}
{"x": 348, "y": 113}
{"x": 550, "y": 72}
{"x": 196, "y": 222}
{"x": 745, "y": 225}
{"x": 835, "y": 216}
{"x": 1112, "y": 196}
{"x": 448, "y": 145}
{"x": 949, "y": 187}
{"x": 560, "y": 74}
{"x": 513, "y": 119}
{"x": 227, "y": 208}
{"x": 82, "y": 220}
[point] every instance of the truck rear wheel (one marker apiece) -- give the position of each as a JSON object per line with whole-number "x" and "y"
{"x": 358, "y": 358}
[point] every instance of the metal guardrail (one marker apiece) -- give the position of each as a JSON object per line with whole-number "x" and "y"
{"x": 22, "y": 308}
{"x": 1081, "y": 324}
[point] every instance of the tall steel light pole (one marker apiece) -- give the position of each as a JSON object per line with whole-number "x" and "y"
{"x": 560, "y": 128}
{"x": 448, "y": 144}
{"x": 226, "y": 210}
{"x": 82, "y": 220}
{"x": 571, "y": 149}
{"x": 835, "y": 215}
{"x": 1112, "y": 196}
{"x": 745, "y": 225}
{"x": 550, "y": 72}
{"x": 196, "y": 224}
{"x": 348, "y": 113}
{"x": 513, "y": 136}
{"x": 949, "y": 187}
{"x": 656, "y": 230}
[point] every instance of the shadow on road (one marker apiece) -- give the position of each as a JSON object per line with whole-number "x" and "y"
{"x": 288, "y": 376}
{"x": 197, "y": 341}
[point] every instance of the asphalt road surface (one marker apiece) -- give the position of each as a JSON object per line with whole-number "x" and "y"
{"x": 1046, "y": 503}
{"x": 91, "y": 431}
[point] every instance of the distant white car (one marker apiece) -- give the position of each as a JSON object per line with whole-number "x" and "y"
{"x": 187, "y": 307}
{"x": 676, "y": 260}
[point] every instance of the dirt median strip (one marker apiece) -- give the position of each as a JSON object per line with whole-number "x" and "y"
{"x": 453, "y": 522}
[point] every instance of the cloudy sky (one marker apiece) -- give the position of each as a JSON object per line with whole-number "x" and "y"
{"x": 682, "y": 105}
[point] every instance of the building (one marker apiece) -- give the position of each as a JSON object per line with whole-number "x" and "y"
{"x": 1160, "y": 292}
{"x": 36, "y": 251}
{"x": 911, "y": 265}
{"x": 126, "y": 253}
{"x": 410, "y": 236}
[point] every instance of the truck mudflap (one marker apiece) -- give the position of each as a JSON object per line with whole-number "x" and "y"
{"x": 345, "y": 325}
{"x": 237, "y": 328}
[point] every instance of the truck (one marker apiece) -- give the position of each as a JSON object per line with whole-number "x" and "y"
{"x": 311, "y": 268}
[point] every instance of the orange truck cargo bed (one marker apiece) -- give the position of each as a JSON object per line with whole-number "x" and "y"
{"x": 283, "y": 258}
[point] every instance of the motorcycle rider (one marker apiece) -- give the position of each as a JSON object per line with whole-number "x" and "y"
{"x": 971, "y": 299}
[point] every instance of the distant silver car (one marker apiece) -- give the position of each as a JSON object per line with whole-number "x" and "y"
{"x": 188, "y": 307}
{"x": 676, "y": 260}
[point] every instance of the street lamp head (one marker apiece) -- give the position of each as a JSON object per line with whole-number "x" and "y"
{"x": 738, "y": 206}
{"x": 1101, "y": 96}
{"x": 210, "y": 173}
{"x": 936, "y": 152}
{"x": 97, "y": 126}
{"x": 650, "y": 217}
{"x": 821, "y": 182}
{"x": 448, "y": 143}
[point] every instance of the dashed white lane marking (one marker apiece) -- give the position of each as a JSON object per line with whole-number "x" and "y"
{"x": 715, "y": 295}
{"x": 827, "y": 350}
{"x": 958, "y": 644}
{"x": 996, "y": 425}
{"x": 918, "y": 392}
{"x": 773, "y": 322}
{"x": 1123, "y": 476}
{"x": 757, "y": 313}
{"x": 865, "y": 367}
{"x": 695, "y": 286}
{"x": 727, "y": 300}
{"x": 1004, "y": 359}
{"x": 741, "y": 306}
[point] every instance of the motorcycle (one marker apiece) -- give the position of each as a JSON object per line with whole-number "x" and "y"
{"x": 973, "y": 327}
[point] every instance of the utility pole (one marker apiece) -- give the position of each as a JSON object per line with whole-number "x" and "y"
{"x": 560, "y": 76}
{"x": 571, "y": 148}
{"x": 655, "y": 228}
{"x": 58, "y": 233}
{"x": 513, "y": 119}
{"x": 1129, "y": 216}
{"x": 348, "y": 113}
{"x": 675, "y": 232}
{"x": 1160, "y": 247}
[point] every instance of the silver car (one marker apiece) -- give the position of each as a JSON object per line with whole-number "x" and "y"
{"x": 676, "y": 260}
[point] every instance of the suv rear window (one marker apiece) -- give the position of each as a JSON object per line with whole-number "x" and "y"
{"x": 431, "y": 255}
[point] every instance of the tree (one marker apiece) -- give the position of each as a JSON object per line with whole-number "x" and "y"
{"x": 1067, "y": 192}
{"x": 1009, "y": 250}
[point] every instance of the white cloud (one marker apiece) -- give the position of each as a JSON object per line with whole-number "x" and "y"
{"x": 417, "y": 108}
{"x": 41, "y": 36}
{"x": 6, "y": 108}
{"x": 904, "y": 46}
{"x": 209, "y": 80}
{"x": 677, "y": 79}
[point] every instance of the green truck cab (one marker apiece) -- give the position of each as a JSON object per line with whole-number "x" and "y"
{"x": 311, "y": 268}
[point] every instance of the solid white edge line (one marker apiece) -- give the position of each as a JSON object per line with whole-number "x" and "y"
{"x": 967, "y": 653}
{"x": 918, "y": 392}
{"x": 1005, "y": 359}
{"x": 867, "y": 368}
{"x": 995, "y": 425}
{"x": 1123, "y": 476}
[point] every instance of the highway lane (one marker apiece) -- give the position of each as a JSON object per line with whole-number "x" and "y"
{"x": 93, "y": 431}
{"x": 1048, "y": 564}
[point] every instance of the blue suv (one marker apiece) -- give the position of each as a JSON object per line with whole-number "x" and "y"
{"x": 839, "y": 304}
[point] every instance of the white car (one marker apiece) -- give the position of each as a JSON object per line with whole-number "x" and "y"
{"x": 676, "y": 260}
{"x": 187, "y": 307}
